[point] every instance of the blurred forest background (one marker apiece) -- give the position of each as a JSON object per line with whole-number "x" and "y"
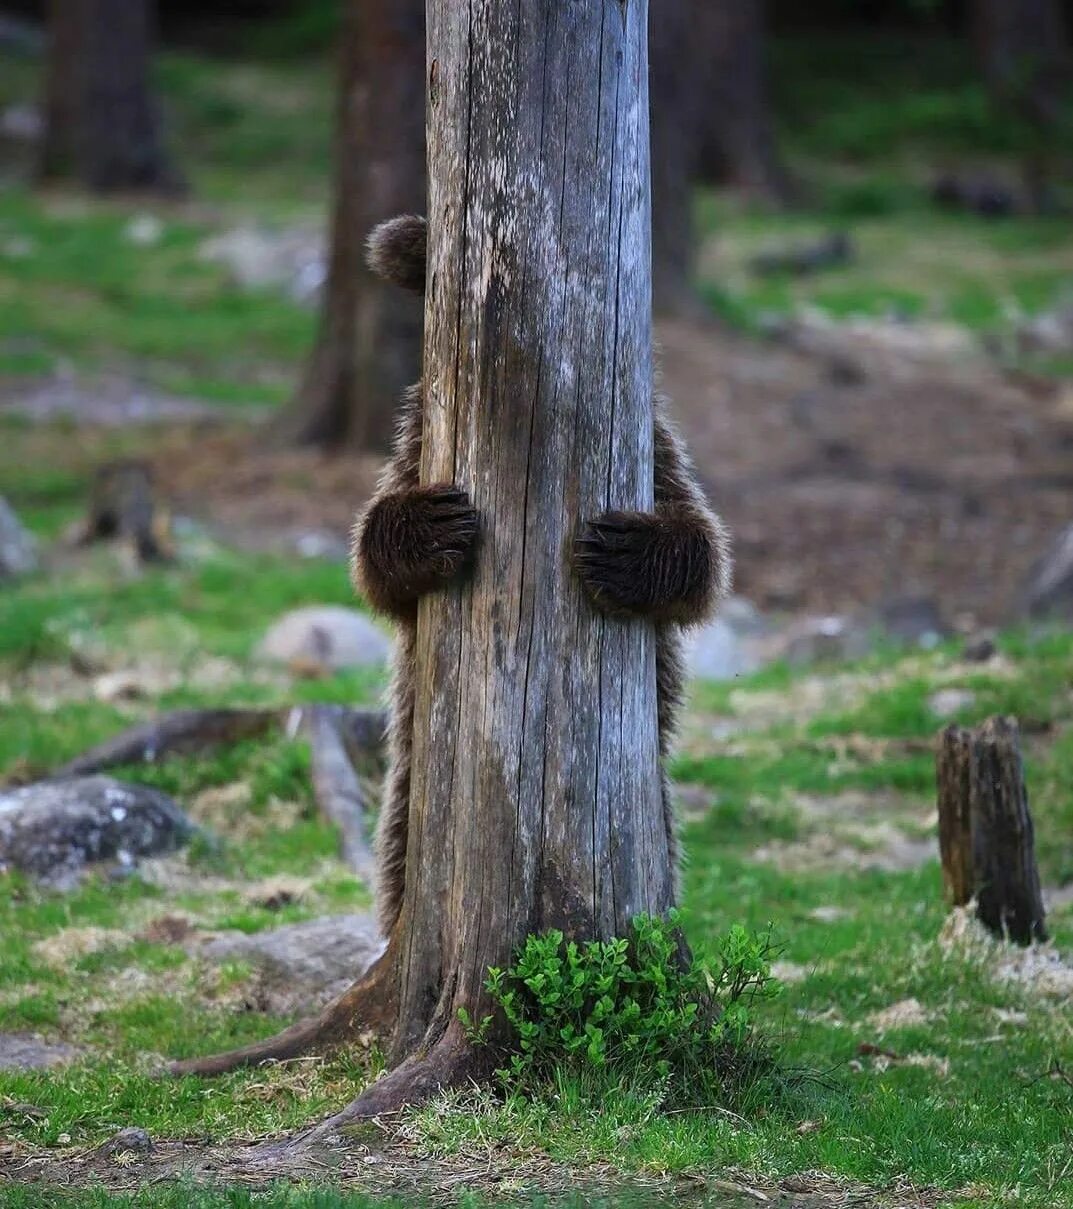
{"x": 863, "y": 271}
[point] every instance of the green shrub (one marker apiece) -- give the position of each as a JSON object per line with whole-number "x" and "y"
{"x": 635, "y": 1010}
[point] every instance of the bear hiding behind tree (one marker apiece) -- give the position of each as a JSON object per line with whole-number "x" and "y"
{"x": 670, "y": 566}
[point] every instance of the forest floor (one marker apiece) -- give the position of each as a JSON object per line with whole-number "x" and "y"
{"x": 900, "y": 442}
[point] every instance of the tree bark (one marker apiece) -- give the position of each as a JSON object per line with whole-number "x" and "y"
{"x": 102, "y": 124}
{"x": 736, "y": 137}
{"x": 985, "y": 829}
{"x": 535, "y": 798}
{"x": 368, "y": 349}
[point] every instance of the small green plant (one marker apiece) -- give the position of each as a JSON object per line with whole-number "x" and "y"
{"x": 637, "y": 1008}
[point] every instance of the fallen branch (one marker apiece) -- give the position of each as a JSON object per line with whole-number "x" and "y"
{"x": 337, "y": 789}
{"x": 189, "y": 732}
{"x": 182, "y": 733}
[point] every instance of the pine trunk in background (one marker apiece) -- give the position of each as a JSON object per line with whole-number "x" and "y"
{"x": 102, "y": 121}
{"x": 1024, "y": 53}
{"x": 368, "y": 348}
{"x": 674, "y": 106}
{"x": 736, "y": 133}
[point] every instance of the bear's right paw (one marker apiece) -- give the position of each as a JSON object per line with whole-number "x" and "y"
{"x": 413, "y": 542}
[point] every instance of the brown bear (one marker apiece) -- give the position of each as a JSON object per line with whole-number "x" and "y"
{"x": 670, "y": 566}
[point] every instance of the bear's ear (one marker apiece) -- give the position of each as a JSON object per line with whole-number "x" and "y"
{"x": 397, "y": 251}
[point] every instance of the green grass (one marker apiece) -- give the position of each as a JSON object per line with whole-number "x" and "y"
{"x": 863, "y": 938}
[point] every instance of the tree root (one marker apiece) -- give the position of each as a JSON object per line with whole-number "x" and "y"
{"x": 451, "y": 1062}
{"x": 367, "y": 1007}
{"x": 191, "y": 731}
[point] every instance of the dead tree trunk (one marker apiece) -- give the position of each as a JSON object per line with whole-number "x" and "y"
{"x": 102, "y": 124}
{"x": 535, "y": 797}
{"x": 736, "y": 133}
{"x": 538, "y": 377}
{"x": 985, "y": 829}
{"x": 368, "y": 349}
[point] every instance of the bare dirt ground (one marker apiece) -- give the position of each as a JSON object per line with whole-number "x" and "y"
{"x": 859, "y": 469}
{"x": 381, "y": 1162}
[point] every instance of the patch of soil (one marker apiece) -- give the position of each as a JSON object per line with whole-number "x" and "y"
{"x": 387, "y": 1165}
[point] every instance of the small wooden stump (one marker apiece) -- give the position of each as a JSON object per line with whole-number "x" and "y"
{"x": 986, "y": 838}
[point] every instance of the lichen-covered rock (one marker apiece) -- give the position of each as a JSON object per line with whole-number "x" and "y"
{"x": 53, "y": 829}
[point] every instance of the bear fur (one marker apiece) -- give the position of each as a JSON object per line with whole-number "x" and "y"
{"x": 670, "y": 566}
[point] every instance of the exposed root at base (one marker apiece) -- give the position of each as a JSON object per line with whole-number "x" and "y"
{"x": 366, "y": 1007}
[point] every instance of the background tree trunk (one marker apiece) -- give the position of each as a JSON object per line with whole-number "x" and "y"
{"x": 368, "y": 349}
{"x": 1024, "y": 52}
{"x": 102, "y": 121}
{"x": 675, "y": 107}
{"x": 736, "y": 132}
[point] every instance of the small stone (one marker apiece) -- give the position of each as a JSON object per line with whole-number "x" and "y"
{"x": 980, "y": 648}
{"x": 18, "y": 550}
{"x": 143, "y": 230}
{"x": 324, "y": 639}
{"x": 27, "y": 1051}
{"x": 950, "y": 701}
{"x": 129, "y": 1141}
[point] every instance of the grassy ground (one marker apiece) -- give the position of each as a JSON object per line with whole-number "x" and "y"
{"x": 812, "y": 812}
{"x": 808, "y": 797}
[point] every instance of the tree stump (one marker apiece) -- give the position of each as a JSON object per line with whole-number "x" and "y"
{"x": 986, "y": 837}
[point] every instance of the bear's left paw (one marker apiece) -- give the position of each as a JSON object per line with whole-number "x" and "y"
{"x": 645, "y": 564}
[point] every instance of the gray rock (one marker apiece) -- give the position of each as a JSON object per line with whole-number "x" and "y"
{"x": 18, "y": 550}
{"x": 55, "y": 828}
{"x": 26, "y": 1051}
{"x": 950, "y": 701}
{"x": 717, "y": 651}
{"x": 912, "y": 620}
{"x": 1050, "y": 585}
{"x": 22, "y": 123}
{"x": 326, "y": 637}
{"x": 302, "y": 966}
{"x": 262, "y": 258}
{"x": 831, "y": 639}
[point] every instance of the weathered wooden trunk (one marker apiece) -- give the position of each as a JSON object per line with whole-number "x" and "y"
{"x": 536, "y": 794}
{"x": 985, "y": 829}
{"x": 535, "y": 798}
{"x": 368, "y": 348}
